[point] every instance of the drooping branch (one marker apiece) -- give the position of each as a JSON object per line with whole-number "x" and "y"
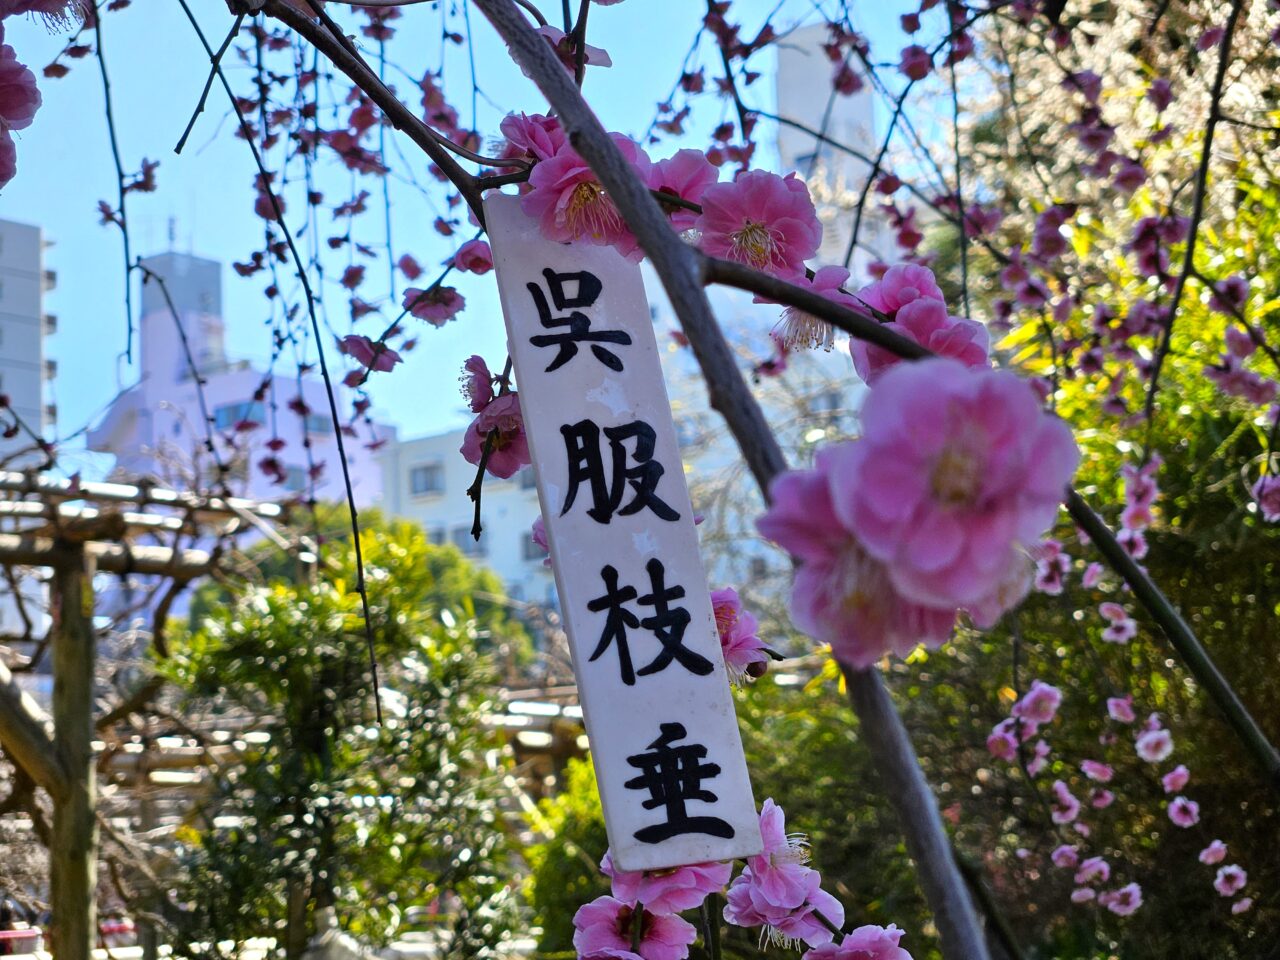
{"x": 23, "y": 733}
{"x": 682, "y": 274}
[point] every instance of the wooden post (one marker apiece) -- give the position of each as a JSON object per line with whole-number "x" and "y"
{"x": 73, "y": 852}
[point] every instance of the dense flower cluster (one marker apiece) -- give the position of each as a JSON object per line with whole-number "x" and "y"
{"x": 498, "y": 427}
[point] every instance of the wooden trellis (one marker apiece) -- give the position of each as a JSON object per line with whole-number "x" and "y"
{"x": 74, "y": 530}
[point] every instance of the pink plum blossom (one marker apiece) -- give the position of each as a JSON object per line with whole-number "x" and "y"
{"x": 763, "y": 220}
{"x": 1065, "y": 856}
{"x": 602, "y": 928}
{"x": 956, "y": 472}
{"x": 737, "y": 628}
{"x": 1242, "y": 905}
{"x": 779, "y": 875}
{"x": 798, "y": 923}
{"x": 916, "y": 62}
{"x": 1175, "y": 779}
{"x": 864, "y": 943}
{"x": 570, "y": 203}
{"x": 477, "y": 383}
{"x": 1184, "y": 812}
{"x": 1213, "y": 853}
{"x": 1160, "y": 93}
{"x": 1095, "y": 770}
{"x": 1230, "y": 880}
{"x": 1121, "y": 628}
{"x": 1003, "y": 744}
{"x": 1065, "y": 806}
{"x": 374, "y": 356}
{"x": 509, "y": 451}
{"x": 1092, "y": 576}
{"x": 1052, "y": 568}
{"x": 901, "y": 284}
{"x": 666, "y": 891}
{"x": 565, "y": 49}
{"x": 841, "y": 595}
{"x": 1093, "y": 870}
{"x": 1039, "y": 759}
{"x": 437, "y": 305}
{"x": 533, "y": 135}
{"x": 925, "y": 321}
{"x": 1083, "y": 894}
{"x": 685, "y": 174}
{"x": 474, "y": 256}
{"x": 1120, "y": 709}
{"x": 19, "y": 96}
{"x": 1101, "y": 799}
{"x": 8, "y": 157}
{"x": 1154, "y": 746}
{"x": 1039, "y": 704}
{"x": 538, "y": 534}
{"x": 1122, "y": 902}
{"x": 1267, "y": 494}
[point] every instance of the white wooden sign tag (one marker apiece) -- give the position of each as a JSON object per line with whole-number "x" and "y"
{"x": 651, "y": 677}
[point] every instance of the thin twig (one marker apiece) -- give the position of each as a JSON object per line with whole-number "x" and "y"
{"x": 122, "y": 220}
{"x": 208, "y": 83}
{"x": 324, "y": 367}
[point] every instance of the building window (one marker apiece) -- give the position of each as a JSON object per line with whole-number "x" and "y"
{"x": 295, "y": 479}
{"x": 468, "y": 544}
{"x": 531, "y": 549}
{"x": 437, "y": 536}
{"x": 528, "y": 481}
{"x": 318, "y": 423}
{"x": 759, "y": 568}
{"x": 228, "y": 415}
{"x": 829, "y": 401}
{"x": 426, "y": 478}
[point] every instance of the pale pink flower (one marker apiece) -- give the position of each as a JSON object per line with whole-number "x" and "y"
{"x": 1096, "y": 770}
{"x": 1002, "y": 744}
{"x": 781, "y": 924}
{"x": 840, "y": 595}
{"x": 864, "y": 943}
{"x": 1176, "y": 779}
{"x": 1065, "y": 806}
{"x": 1052, "y": 568}
{"x": 1039, "y": 704}
{"x": 1184, "y": 812}
{"x": 1083, "y": 894}
{"x": 1065, "y": 856}
{"x": 685, "y": 174}
{"x": 1121, "y": 628}
{"x": 666, "y": 891}
{"x": 19, "y": 95}
{"x": 737, "y": 629}
{"x": 1242, "y": 905}
{"x": 1101, "y": 799}
{"x": 1120, "y": 709}
{"x": 763, "y": 220}
{"x": 956, "y": 472}
{"x": 570, "y": 203}
{"x": 779, "y": 876}
{"x": 474, "y": 256}
{"x": 925, "y": 321}
{"x": 56, "y": 14}
{"x": 1213, "y": 853}
{"x": 477, "y": 383}
{"x": 509, "y": 451}
{"x": 375, "y": 356}
{"x": 1230, "y": 880}
{"x": 1093, "y": 870}
{"x": 602, "y": 928}
{"x": 1267, "y": 493}
{"x": 1092, "y": 576}
{"x": 563, "y": 46}
{"x": 1122, "y": 902}
{"x": 802, "y": 330}
{"x": 1039, "y": 759}
{"x": 437, "y": 306}
{"x": 538, "y": 533}
{"x": 1154, "y": 746}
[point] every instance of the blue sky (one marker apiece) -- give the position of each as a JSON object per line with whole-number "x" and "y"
{"x": 157, "y": 68}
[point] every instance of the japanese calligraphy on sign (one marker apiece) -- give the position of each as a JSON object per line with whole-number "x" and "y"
{"x": 655, "y": 696}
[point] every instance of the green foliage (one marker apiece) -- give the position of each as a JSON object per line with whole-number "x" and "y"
{"x": 328, "y": 809}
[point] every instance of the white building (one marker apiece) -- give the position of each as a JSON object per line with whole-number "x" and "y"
{"x": 426, "y": 480}
{"x": 24, "y": 367}
{"x": 157, "y": 428}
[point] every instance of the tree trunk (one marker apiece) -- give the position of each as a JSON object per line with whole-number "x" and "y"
{"x": 73, "y": 852}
